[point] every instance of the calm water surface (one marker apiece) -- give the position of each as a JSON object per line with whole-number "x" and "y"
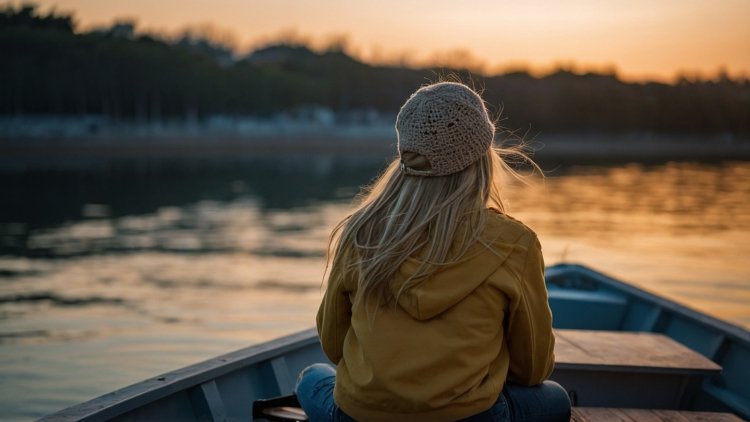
{"x": 112, "y": 272}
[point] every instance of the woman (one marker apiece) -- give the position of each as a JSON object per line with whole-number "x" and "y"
{"x": 436, "y": 307}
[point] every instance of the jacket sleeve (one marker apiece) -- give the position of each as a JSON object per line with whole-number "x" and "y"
{"x": 334, "y": 314}
{"x": 530, "y": 337}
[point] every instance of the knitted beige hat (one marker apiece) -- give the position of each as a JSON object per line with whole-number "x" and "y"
{"x": 448, "y": 124}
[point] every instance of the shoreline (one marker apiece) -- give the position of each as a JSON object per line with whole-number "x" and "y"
{"x": 549, "y": 149}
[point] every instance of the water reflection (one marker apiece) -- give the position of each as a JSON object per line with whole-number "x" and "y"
{"x": 674, "y": 199}
{"x": 679, "y": 229}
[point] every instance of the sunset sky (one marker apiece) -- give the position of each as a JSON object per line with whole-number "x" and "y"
{"x": 643, "y": 39}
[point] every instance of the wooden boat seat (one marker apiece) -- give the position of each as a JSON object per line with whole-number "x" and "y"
{"x": 595, "y": 414}
{"x": 628, "y": 369}
{"x": 277, "y": 409}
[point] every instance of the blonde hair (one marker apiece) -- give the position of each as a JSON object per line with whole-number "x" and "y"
{"x": 434, "y": 219}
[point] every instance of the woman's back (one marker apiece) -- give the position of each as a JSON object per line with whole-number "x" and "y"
{"x": 441, "y": 351}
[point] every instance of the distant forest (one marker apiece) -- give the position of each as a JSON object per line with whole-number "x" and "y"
{"x": 47, "y": 67}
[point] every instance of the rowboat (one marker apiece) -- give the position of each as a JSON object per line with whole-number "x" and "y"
{"x": 620, "y": 351}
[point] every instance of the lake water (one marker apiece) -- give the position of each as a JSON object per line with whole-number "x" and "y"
{"x": 112, "y": 271}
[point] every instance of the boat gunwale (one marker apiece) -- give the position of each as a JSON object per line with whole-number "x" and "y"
{"x": 128, "y": 398}
{"x": 729, "y": 333}
{"x": 726, "y": 328}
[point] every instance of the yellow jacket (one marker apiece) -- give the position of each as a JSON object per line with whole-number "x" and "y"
{"x": 446, "y": 350}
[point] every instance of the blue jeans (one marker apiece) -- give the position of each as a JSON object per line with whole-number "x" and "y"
{"x": 544, "y": 402}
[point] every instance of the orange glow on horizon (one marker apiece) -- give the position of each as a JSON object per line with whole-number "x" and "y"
{"x": 642, "y": 40}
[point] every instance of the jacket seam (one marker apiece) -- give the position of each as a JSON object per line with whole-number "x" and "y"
{"x": 524, "y": 295}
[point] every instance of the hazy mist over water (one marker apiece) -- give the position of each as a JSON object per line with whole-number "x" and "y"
{"x": 114, "y": 271}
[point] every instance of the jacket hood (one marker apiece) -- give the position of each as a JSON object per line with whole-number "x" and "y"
{"x": 429, "y": 297}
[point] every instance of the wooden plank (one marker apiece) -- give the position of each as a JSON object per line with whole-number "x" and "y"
{"x": 636, "y": 415}
{"x": 591, "y": 414}
{"x": 668, "y": 416}
{"x": 291, "y": 413}
{"x": 594, "y": 414}
{"x": 627, "y": 351}
{"x": 713, "y": 416}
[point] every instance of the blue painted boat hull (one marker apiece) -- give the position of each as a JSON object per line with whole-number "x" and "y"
{"x": 225, "y": 387}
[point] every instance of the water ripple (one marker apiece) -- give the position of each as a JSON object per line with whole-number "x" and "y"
{"x": 59, "y": 300}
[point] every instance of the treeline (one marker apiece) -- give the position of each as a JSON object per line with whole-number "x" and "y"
{"x": 49, "y": 68}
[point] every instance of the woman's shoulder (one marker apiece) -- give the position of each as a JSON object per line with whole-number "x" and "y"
{"x": 502, "y": 226}
{"x": 512, "y": 241}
